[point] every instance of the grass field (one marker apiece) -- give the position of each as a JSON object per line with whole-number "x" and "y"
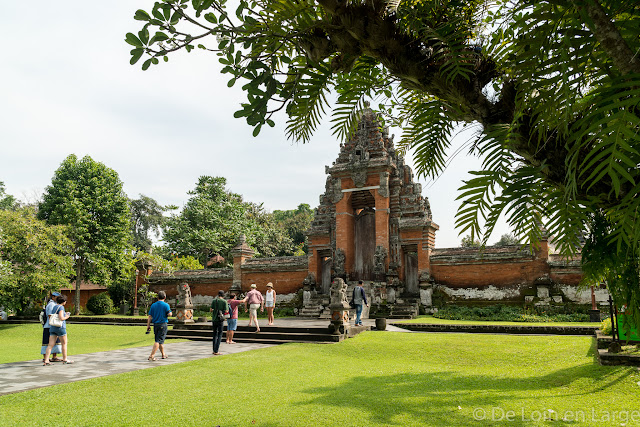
{"x": 436, "y": 321}
{"x": 22, "y": 342}
{"x": 374, "y": 379}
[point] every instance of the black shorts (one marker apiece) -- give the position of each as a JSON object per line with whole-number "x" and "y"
{"x": 160, "y": 332}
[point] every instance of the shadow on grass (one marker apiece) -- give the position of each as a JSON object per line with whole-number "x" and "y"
{"x": 434, "y": 398}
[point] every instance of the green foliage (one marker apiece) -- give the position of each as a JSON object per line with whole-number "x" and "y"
{"x": 146, "y": 218}
{"x": 35, "y": 259}
{"x": 7, "y": 201}
{"x": 213, "y": 219}
{"x": 87, "y": 197}
{"x": 505, "y": 313}
{"x": 605, "y": 327}
{"x": 146, "y": 298}
{"x": 100, "y": 304}
{"x": 121, "y": 292}
{"x": 296, "y": 222}
{"x": 185, "y": 263}
{"x": 507, "y": 240}
{"x": 469, "y": 242}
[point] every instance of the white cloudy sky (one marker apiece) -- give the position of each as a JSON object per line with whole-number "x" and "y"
{"x": 67, "y": 88}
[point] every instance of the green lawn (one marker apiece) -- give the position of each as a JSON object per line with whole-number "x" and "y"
{"x": 374, "y": 379}
{"x": 436, "y": 321}
{"x": 22, "y": 342}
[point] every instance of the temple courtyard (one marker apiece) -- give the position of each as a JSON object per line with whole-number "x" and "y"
{"x": 376, "y": 378}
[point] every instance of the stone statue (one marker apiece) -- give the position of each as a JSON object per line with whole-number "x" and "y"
{"x": 378, "y": 262}
{"x": 184, "y": 296}
{"x": 339, "y": 293}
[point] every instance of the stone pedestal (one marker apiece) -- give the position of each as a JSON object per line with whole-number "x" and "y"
{"x": 594, "y": 315}
{"x": 184, "y": 315}
{"x": 339, "y": 319}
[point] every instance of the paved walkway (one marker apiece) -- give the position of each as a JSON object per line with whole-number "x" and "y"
{"x": 21, "y": 376}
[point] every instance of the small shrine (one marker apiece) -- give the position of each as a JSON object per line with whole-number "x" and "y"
{"x": 372, "y": 223}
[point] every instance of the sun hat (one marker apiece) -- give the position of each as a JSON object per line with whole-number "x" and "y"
{"x": 253, "y": 286}
{"x": 269, "y": 285}
{"x": 55, "y": 294}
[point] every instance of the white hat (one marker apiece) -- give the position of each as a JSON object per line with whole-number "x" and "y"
{"x": 253, "y": 286}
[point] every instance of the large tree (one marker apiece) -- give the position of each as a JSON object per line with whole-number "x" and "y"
{"x": 213, "y": 219}
{"x": 35, "y": 258}
{"x": 147, "y": 219}
{"x": 87, "y": 197}
{"x": 551, "y": 88}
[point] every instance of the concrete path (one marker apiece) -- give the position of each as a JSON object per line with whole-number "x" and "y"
{"x": 22, "y": 376}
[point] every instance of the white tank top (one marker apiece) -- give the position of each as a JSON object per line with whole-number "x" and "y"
{"x": 269, "y": 296}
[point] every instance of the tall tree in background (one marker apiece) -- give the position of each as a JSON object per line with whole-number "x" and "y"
{"x": 147, "y": 218}
{"x": 507, "y": 239}
{"x": 213, "y": 219}
{"x": 296, "y": 222}
{"x": 209, "y": 223}
{"x": 35, "y": 258}
{"x": 551, "y": 89}
{"x": 87, "y": 197}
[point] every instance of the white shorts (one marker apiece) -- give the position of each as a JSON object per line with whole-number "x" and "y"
{"x": 253, "y": 309}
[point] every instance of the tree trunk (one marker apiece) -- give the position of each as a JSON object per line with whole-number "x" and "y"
{"x": 76, "y": 298}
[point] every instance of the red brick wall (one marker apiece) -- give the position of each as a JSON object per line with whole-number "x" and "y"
{"x": 484, "y": 274}
{"x": 84, "y": 295}
{"x": 284, "y": 282}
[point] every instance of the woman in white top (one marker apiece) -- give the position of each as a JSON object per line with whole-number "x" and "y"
{"x": 270, "y": 302}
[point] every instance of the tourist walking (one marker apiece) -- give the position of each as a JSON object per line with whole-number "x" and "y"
{"x": 60, "y": 332}
{"x": 159, "y": 313}
{"x": 359, "y": 298}
{"x": 57, "y": 349}
{"x": 255, "y": 300}
{"x": 219, "y": 307}
{"x": 270, "y": 302}
{"x": 232, "y": 321}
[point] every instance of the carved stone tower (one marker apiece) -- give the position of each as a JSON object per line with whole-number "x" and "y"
{"x": 372, "y": 222}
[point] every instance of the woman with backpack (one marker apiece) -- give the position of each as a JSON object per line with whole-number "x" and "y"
{"x": 56, "y": 332}
{"x": 44, "y": 319}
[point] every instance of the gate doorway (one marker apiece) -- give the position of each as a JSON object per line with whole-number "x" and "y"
{"x": 365, "y": 243}
{"x": 411, "y": 271}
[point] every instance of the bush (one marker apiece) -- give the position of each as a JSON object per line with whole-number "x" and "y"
{"x": 100, "y": 304}
{"x": 605, "y": 326}
{"x": 507, "y": 314}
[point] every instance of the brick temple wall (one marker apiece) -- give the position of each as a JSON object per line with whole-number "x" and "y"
{"x": 468, "y": 267}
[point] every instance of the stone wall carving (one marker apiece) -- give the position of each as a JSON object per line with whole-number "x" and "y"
{"x": 338, "y": 263}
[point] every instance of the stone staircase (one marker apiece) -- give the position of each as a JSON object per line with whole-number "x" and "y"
{"x": 407, "y": 309}
{"x": 267, "y": 335}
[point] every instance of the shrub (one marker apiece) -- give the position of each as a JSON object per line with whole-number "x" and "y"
{"x": 100, "y": 304}
{"x": 605, "y": 326}
{"x": 506, "y": 313}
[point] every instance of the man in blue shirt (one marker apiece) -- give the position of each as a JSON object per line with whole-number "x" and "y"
{"x": 158, "y": 315}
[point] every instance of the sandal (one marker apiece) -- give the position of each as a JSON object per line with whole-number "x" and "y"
{"x": 55, "y": 359}
{"x": 67, "y": 362}
{"x": 165, "y": 357}
{"x": 46, "y": 363}
{"x": 152, "y": 359}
